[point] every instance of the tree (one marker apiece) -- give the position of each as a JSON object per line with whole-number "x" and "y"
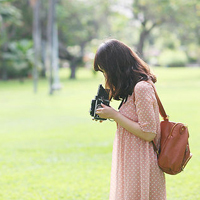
{"x": 37, "y": 39}
{"x": 83, "y": 24}
{"x": 52, "y": 46}
{"x": 188, "y": 27}
{"x": 19, "y": 59}
{"x": 10, "y": 18}
{"x": 150, "y": 14}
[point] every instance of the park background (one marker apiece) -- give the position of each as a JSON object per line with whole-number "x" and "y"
{"x": 50, "y": 147}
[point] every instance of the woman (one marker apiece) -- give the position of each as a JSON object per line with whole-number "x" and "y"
{"x": 135, "y": 174}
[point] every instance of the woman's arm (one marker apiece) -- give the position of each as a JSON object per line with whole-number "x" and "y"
{"x": 129, "y": 125}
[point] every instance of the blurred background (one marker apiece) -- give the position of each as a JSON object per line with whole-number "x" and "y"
{"x": 38, "y": 37}
{"x": 50, "y": 148}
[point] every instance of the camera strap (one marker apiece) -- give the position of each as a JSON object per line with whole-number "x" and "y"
{"x": 122, "y": 102}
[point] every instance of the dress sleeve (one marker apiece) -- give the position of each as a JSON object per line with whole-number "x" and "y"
{"x": 145, "y": 109}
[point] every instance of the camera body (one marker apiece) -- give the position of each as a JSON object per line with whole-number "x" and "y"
{"x": 102, "y": 97}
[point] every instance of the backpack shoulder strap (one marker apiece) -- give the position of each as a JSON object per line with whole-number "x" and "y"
{"x": 162, "y": 113}
{"x": 161, "y": 108}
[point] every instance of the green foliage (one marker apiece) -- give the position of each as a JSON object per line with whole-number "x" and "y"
{"x": 18, "y": 59}
{"x": 81, "y": 23}
{"x": 51, "y": 149}
{"x": 145, "y": 10}
{"x": 10, "y": 17}
{"x": 172, "y": 58}
{"x": 10, "y": 14}
{"x": 193, "y": 52}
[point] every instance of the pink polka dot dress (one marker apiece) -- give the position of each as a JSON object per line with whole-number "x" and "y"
{"x": 135, "y": 174}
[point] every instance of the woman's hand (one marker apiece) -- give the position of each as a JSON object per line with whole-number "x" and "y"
{"x": 131, "y": 126}
{"x": 106, "y": 112}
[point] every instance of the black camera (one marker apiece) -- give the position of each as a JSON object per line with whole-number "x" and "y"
{"x": 101, "y": 97}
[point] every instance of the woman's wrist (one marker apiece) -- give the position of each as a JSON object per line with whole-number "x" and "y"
{"x": 116, "y": 116}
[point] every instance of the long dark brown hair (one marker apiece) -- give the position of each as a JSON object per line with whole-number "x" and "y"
{"x": 122, "y": 68}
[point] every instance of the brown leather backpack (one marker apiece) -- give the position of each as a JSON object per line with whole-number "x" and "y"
{"x": 174, "y": 152}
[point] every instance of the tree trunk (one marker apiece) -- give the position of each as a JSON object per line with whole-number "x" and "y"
{"x": 43, "y": 56}
{"x": 143, "y": 37}
{"x": 75, "y": 60}
{"x": 37, "y": 41}
{"x": 4, "y": 37}
{"x": 43, "y": 41}
{"x": 73, "y": 68}
{"x": 56, "y": 82}
{"x": 140, "y": 46}
{"x": 50, "y": 33}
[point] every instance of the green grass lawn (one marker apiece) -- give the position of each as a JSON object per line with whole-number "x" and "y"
{"x": 52, "y": 150}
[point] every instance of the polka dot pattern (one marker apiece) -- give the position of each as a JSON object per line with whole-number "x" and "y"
{"x": 135, "y": 174}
